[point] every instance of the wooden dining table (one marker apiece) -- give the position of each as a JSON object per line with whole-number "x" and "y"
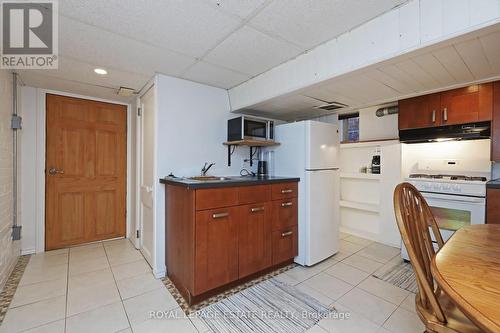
{"x": 467, "y": 269}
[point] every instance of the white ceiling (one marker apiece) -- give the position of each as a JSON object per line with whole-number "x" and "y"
{"x": 456, "y": 62}
{"x": 217, "y": 42}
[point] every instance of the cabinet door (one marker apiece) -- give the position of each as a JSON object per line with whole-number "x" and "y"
{"x": 254, "y": 238}
{"x": 467, "y": 105}
{"x": 420, "y": 112}
{"x": 216, "y": 255}
{"x": 493, "y": 206}
{"x": 495, "y": 124}
{"x": 285, "y": 245}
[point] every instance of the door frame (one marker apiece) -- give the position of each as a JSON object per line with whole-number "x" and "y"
{"x": 150, "y": 257}
{"x": 39, "y": 185}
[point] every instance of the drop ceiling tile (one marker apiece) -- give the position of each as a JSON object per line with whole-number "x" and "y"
{"x": 311, "y": 22}
{"x": 491, "y": 47}
{"x": 251, "y": 52}
{"x": 105, "y": 48}
{"x": 240, "y": 8}
{"x": 190, "y": 27}
{"x": 206, "y": 73}
{"x": 454, "y": 64}
{"x": 474, "y": 57}
{"x": 429, "y": 63}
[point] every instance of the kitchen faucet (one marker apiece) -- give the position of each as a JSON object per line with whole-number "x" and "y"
{"x": 205, "y": 168}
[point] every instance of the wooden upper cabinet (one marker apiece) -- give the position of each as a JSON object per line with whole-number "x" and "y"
{"x": 467, "y": 105}
{"x": 458, "y": 106}
{"x": 419, "y": 112}
{"x": 495, "y": 124}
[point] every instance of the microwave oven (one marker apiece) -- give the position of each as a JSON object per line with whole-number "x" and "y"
{"x": 252, "y": 128}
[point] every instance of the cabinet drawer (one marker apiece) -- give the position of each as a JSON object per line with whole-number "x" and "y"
{"x": 216, "y": 198}
{"x": 285, "y": 245}
{"x": 284, "y": 190}
{"x": 253, "y": 194}
{"x": 285, "y": 213}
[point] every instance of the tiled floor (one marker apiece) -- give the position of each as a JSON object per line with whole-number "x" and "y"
{"x": 109, "y": 287}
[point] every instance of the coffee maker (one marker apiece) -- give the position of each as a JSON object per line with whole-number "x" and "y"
{"x": 376, "y": 164}
{"x": 262, "y": 167}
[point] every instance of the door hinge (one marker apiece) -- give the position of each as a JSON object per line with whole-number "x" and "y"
{"x": 139, "y": 112}
{"x": 16, "y": 122}
{"x": 138, "y": 234}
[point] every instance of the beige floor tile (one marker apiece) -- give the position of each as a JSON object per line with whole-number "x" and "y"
{"x": 383, "y": 330}
{"x": 341, "y": 255}
{"x": 379, "y": 252}
{"x": 44, "y": 260}
{"x": 349, "y": 247}
{"x": 34, "y": 315}
{"x": 138, "y": 285}
{"x": 131, "y": 269}
{"x": 118, "y": 255}
{"x": 286, "y": 279}
{"x": 371, "y": 307}
{"x": 362, "y": 263}
{"x": 138, "y": 308}
{"x": 316, "y": 329}
{"x": 409, "y": 303}
{"x": 86, "y": 265}
{"x": 384, "y": 290}
{"x": 320, "y": 297}
{"x": 325, "y": 264}
{"x": 56, "y": 252}
{"x": 54, "y": 327}
{"x": 118, "y": 242}
{"x": 347, "y": 273}
{"x": 355, "y": 323}
{"x": 127, "y": 330}
{"x": 86, "y": 253}
{"x": 328, "y": 285}
{"x": 179, "y": 324}
{"x": 109, "y": 318}
{"x": 88, "y": 291}
{"x": 85, "y": 247}
{"x": 343, "y": 235}
{"x": 39, "y": 274}
{"x": 38, "y": 292}
{"x": 403, "y": 321}
{"x": 358, "y": 240}
{"x": 300, "y": 273}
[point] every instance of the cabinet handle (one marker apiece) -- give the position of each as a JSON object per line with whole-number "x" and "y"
{"x": 445, "y": 114}
{"x": 286, "y": 234}
{"x": 286, "y": 204}
{"x": 286, "y": 191}
{"x": 433, "y": 116}
{"x": 219, "y": 215}
{"x": 257, "y": 209}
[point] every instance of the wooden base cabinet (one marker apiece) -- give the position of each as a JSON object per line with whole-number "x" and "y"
{"x": 493, "y": 206}
{"x": 218, "y": 236}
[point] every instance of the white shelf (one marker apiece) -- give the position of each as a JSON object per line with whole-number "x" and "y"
{"x": 360, "y": 206}
{"x": 359, "y": 175}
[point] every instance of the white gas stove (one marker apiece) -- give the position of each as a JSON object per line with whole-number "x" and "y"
{"x": 456, "y": 201}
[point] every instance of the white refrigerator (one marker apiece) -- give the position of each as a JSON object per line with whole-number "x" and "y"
{"x": 309, "y": 150}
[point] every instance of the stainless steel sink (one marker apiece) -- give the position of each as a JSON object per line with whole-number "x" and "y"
{"x": 209, "y": 178}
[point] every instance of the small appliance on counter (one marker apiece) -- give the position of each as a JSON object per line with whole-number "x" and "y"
{"x": 262, "y": 170}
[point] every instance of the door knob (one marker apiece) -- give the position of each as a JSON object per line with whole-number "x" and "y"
{"x": 54, "y": 171}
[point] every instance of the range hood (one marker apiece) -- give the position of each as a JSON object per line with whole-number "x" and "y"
{"x": 471, "y": 131}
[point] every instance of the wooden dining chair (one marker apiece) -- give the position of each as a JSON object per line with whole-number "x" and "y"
{"x": 435, "y": 309}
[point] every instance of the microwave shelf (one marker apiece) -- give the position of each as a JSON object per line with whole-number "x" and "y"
{"x": 231, "y": 146}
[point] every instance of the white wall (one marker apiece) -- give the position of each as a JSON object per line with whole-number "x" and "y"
{"x": 191, "y": 127}
{"x": 372, "y": 127}
{"x": 9, "y": 250}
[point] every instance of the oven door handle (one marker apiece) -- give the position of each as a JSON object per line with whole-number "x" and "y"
{"x": 455, "y": 198}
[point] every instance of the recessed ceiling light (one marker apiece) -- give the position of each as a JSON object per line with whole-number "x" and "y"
{"x": 100, "y": 71}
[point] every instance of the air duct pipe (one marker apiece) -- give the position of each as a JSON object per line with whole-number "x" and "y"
{"x": 15, "y": 125}
{"x": 387, "y": 111}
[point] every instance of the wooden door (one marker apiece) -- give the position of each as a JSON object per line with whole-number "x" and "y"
{"x": 495, "y": 124}
{"x": 420, "y": 112}
{"x": 254, "y": 238}
{"x": 85, "y": 171}
{"x": 467, "y": 105}
{"x": 216, "y": 253}
{"x": 493, "y": 206}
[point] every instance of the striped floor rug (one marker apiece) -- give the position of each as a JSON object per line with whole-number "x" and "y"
{"x": 270, "y": 306}
{"x": 400, "y": 274}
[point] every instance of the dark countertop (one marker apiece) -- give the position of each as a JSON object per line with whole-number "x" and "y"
{"x": 493, "y": 184}
{"x": 232, "y": 181}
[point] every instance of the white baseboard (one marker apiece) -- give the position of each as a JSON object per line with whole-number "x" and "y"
{"x": 28, "y": 251}
{"x": 159, "y": 274}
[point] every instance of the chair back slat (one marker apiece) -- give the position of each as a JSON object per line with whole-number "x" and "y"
{"x": 414, "y": 217}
